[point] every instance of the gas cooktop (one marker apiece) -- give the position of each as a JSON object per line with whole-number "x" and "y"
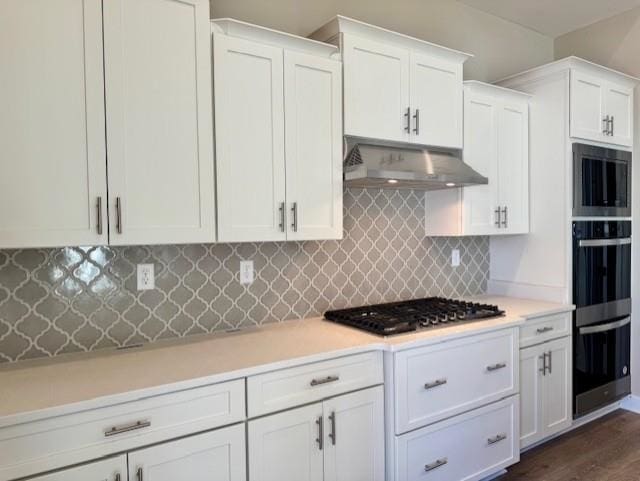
{"x": 407, "y": 316}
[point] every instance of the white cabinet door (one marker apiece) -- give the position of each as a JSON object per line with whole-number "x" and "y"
{"x": 376, "y": 89}
{"x": 619, "y": 106}
{"x": 354, "y": 436}
{"x": 313, "y": 125}
{"x": 250, "y": 154}
{"x": 557, "y": 399}
{"x": 513, "y": 167}
{"x": 480, "y": 140}
{"x": 111, "y": 469}
{"x": 436, "y": 101}
{"x": 531, "y": 397}
{"x": 287, "y": 446}
{"x": 53, "y": 164}
{"x": 587, "y": 107}
{"x": 213, "y": 456}
{"x": 159, "y": 121}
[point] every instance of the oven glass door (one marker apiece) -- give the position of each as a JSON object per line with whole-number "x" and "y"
{"x": 602, "y": 354}
{"x": 604, "y": 183}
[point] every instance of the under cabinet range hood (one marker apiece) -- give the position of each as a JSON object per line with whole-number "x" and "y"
{"x": 381, "y": 164}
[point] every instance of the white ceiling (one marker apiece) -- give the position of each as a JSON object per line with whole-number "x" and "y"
{"x": 554, "y": 17}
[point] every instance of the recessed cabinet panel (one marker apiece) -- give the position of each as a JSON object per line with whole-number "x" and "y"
{"x": 557, "y": 403}
{"x": 619, "y": 101}
{"x": 587, "y": 107}
{"x": 313, "y": 124}
{"x": 53, "y": 165}
{"x": 159, "y": 121}
{"x": 531, "y": 362}
{"x": 106, "y": 470}
{"x": 250, "y": 154}
{"x": 376, "y": 89}
{"x": 436, "y": 101}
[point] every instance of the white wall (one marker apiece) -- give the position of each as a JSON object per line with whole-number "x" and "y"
{"x": 501, "y": 47}
{"x": 615, "y": 42}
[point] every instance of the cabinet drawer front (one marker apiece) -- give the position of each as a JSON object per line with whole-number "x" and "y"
{"x": 65, "y": 440}
{"x": 467, "y": 447}
{"x": 287, "y": 388}
{"x": 535, "y": 331}
{"x": 437, "y": 382}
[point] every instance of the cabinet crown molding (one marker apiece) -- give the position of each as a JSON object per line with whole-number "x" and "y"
{"x": 476, "y": 86}
{"x": 257, "y": 33}
{"x": 346, "y": 25}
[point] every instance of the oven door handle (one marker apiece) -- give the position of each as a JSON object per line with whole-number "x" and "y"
{"x": 604, "y": 242}
{"x": 605, "y": 327}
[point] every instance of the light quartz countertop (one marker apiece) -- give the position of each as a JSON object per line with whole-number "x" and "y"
{"x": 33, "y": 390}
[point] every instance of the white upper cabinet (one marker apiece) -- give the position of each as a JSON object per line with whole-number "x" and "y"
{"x": 397, "y": 87}
{"x": 159, "y": 121}
{"x": 278, "y": 130}
{"x": 53, "y": 188}
{"x": 496, "y": 139}
{"x": 601, "y": 104}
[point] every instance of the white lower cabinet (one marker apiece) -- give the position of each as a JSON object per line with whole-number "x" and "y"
{"x": 112, "y": 469}
{"x": 545, "y": 390}
{"x": 341, "y": 439}
{"x": 463, "y": 448}
{"x": 214, "y": 456}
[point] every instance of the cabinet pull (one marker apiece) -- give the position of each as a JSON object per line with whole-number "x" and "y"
{"x": 416, "y": 117}
{"x": 605, "y": 130}
{"x": 332, "y": 434}
{"x": 99, "y": 209}
{"x": 498, "y": 213}
{"x": 320, "y": 437}
{"x": 436, "y": 383}
{"x": 436, "y": 464}
{"x": 117, "y": 478}
{"x": 612, "y": 130}
{"x": 118, "y": 215}
{"x": 115, "y": 430}
{"x": 496, "y": 439}
{"x": 550, "y": 361}
{"x": 496, "y": 367}
{"x": 407, "y": 116}
{"x": 543, "y": 369}
{"x": 281, "y": 211}
{"x": 324, "y": 380}
{"x": 294, "y": 214}
{"x": 139, "y": 474}
{"x": 542, "y": 330}
{"x": 505, "y": 221}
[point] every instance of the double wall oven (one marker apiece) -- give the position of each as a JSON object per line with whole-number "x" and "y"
{"x": 601, "y": 277}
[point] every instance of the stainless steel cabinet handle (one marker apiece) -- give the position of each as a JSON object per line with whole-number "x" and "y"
{"x": 498, "y": 213}
{"x": 117, "y": 478}
{"x": 118, "y": 215}
{"x": 407, "y": 116}
{"x": 550, "y": 358}
{"x": 281, "y": 211}
{"x": 496, "y": 439}
{"x": 542, "y": 330}
{"x": 115, "y": 430}
{"x": 139, "y": 474}
{"x": 436, "y": 383}
{"x": 324, "y": 380}
{"x": 320, "y": 438}
{"x": 612, "y": 130}
{"x": 604, "y": 327}
{"x": 416, "y": 117}
{"x": 332, "y": 434}
{"x": 505, "y": 221}
{"x": 543, "y": 369}
{"x": 99, "y": 208}
{"x": 435, "y": 464}
{"x": 496, "y": 367}
{"x": 605, "y": 130}
{"x": 294, "y": 214}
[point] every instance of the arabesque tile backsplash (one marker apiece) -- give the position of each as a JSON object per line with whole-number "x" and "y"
{"x": 55, "y": 301}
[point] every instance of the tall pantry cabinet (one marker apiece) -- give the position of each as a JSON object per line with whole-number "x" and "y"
{"x": 91, "y": 87}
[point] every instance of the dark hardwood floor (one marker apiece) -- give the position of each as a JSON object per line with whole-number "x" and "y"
{"x": 607, "y": 449}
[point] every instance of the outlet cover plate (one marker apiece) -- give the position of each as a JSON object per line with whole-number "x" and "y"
{"x": 146, "y": 277}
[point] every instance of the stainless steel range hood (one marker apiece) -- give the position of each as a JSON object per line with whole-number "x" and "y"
{"x": 382, "y": 164}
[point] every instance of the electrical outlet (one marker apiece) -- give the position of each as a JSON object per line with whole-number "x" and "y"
{"x": 455, "y": 258}
{"x": 146, "y": 277}
{"x": 246, "y": 272}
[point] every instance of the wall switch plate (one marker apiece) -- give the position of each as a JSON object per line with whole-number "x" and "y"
{"x": 455, "y": 258}
{"x": 246, "y": 272}
{"x": 146, "y": 277}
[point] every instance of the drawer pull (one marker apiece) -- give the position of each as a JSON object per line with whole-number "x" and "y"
{"x": 496, "y": 367}
{"x": 496, "y": 439}
{"x": 114, "y": 431}
{"x": 542, "y": 330}
{"x": 139, "y": 474}
{"x": 320, "y": 438}
{"x": 118, "y": 478}
{"x": 324, "y": 380}
{"x": 436, "y": 464}
{"x": 436, "y": 383}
